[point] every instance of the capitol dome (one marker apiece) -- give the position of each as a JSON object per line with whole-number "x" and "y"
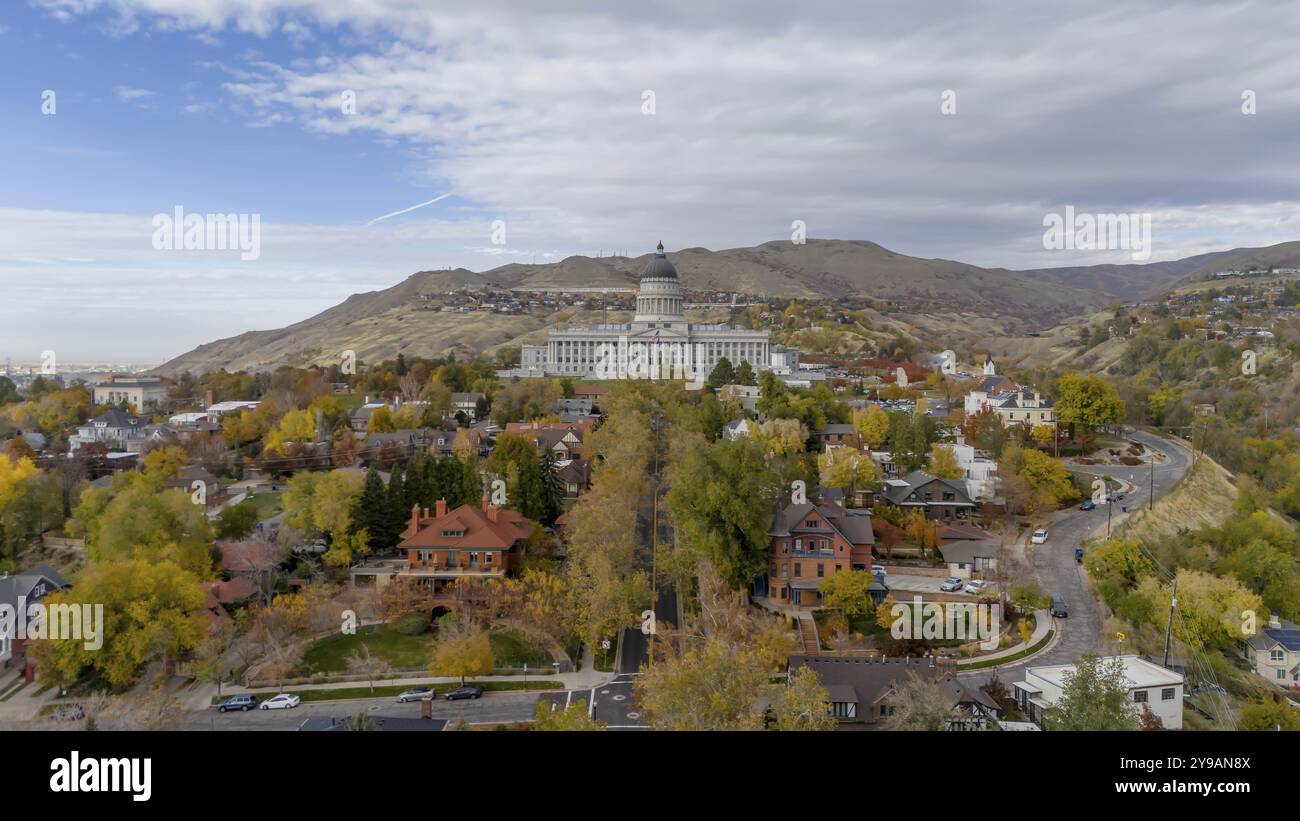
{"x": 659, "y": 267}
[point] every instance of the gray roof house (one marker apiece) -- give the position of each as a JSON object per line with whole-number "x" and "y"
{"x": 944, "y": 499}
{"x": 861, "y": 687}
{"x": 1274, "y": 652}
{"x": 22, "y": 590}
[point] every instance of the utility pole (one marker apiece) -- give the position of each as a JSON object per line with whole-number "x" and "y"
{"x": 1110, "y": 503}
{"x": 1151, "y": 495}
{"x": 1169, "y": 629}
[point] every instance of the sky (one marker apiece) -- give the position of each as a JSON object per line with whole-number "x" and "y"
{"x": 534, "y": 131}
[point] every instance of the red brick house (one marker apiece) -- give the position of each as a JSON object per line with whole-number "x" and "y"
{"x": 472, "y": 541}
{"x": 811, "y": 543}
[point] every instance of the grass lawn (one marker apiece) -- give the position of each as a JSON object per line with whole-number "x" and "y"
{"x": 268, "y": 504}
{"x": 513, "y": 650}
{"x": 978, "y": 665}
{"x": 330, "y": 654}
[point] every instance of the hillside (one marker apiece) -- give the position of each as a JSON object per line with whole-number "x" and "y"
{"x": 935, "y": 297}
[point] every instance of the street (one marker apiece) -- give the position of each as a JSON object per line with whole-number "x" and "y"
{"x": 1062, "y": 577}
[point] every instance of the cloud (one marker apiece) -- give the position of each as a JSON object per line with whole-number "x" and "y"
{"x": 767, "y": 112}
{"x": 132, "y": 95}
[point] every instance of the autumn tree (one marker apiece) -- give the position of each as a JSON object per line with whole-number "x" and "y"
{"x": 551, "y": 716}
{"x": 1088, "y": 401}
{"x": 1095, "y": 697}
{"x": 461, "y": 650}
{"x": 803, "y": 704}
{"x": 918, "y": 704}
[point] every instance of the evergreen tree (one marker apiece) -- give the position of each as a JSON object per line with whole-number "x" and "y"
{"x": 723, "y": 374}
{"x": 372, "y": 511}
{"x": 552, "y": 489}
{"x": 471, "y": 487}
{"x": 399, "y": 514}
{"x": 745, "y": 374}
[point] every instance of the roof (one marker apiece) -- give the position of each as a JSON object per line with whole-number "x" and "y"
{"x": 899, "y": 491}
{"x": 117, "y": 418}
{"x": 968, "y": 550}
{"x": 238, "y": 589}
{"x": 22, "y": 584}
{"x": 1287, "y": 635}
{"x": 246, "y": 556}
{"x": 837, "y": 429}
{"x": 480, "y": 530}
{"x": 659, "y": 267}
{"x": 866, "y": 678}
{"x": 855, "y": 527}
{"x": 1139, "y": 672}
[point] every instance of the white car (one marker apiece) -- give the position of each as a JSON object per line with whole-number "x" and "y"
{"x": 952, "y": 584}
{"x": 1039, "y": 537}
{"x": 976, "y": 587}
{"x": 284, "y": 701}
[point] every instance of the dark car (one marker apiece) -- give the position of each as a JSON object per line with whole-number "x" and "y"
{"x": 468, "y": 691}
{"x": 1117, "y": 496}
{"x": 1059, "y": 609}
{"x": 241, "y": 703}
{"x": 1088, "y": 505}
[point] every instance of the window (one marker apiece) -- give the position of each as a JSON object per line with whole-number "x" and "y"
{"x": 1276, "y": 654}
{"x": 1281, "y": 674}
{"x": 821, "y": 570}
{"x": 1140, "y": 696}
{"x": 797, "y": 568}
{"x": 798, "y": 544}
{"x": 1167, "y": 694}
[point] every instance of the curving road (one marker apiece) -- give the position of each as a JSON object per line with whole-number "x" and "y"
{"x": 1062, "y": 577}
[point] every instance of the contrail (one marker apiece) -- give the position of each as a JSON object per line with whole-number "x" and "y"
{"x": 412, "y": 208}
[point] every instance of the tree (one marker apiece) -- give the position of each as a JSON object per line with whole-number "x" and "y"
{"x": 918, "y": 704}
{"x": 723, "y": 374}
{"x": 1089, "y": 401}
{"x": 804, "y": 704}
{"x": 137, "y": 519}
{"x": 1095, "y": 697}
{"x": 551, "y": 716}
{"x": 712, "y": 687}
{"x": 237, "y": 521}
{"x": 943, "y": 462}
{"x": 845, "y": 468}
{"x": 374, "y": 514}
{"x": 1267, "y": 713}
{"x": 717, "y": 502}
{"x": 745, "y": 374}
{"x": 461, "y": 651}
{"x": 872, "y": 424}
{"x": 151, "y": 612}
{"x": 381, "y": 421}
{"x": 362, "y": 662}
{"x": 848, "y": 592}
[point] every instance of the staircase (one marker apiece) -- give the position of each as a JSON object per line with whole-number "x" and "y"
{"x": 808, "y": 634}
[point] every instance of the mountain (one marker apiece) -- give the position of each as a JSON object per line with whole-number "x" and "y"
{"x": 380, "y": 324}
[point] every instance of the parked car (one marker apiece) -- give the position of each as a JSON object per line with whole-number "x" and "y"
{"x": 975, "y": 587}
{"x": 468, "y": 691}
{"x": 1059, "y": 609}
{"x": 1117, "y": 496}
{"x": 1040, "y": 536}
{"x": 284, "y": 701}
{"x": 952, "y": 584}
{"x": 242, "y": 703}
{"x": 1088, "y": 505}
{"x": 415, "y": 694}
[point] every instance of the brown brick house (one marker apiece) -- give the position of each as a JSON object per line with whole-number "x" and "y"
{"x": 811, "y": 543}
{"x": 472, "y": 541}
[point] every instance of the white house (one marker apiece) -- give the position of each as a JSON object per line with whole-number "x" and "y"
{"x": 1274, "y": 652}
{"x": 140, "y": 391}
{"x": 981, "y": 472}
{"x": 1149, "y": 685}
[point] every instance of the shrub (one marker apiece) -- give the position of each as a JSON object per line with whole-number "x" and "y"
{"x": 412, "y": 624}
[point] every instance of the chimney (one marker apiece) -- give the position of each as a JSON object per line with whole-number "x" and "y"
{"x": 415, "y": 519}
{"x": 492, "y": 513}
{"x": 485, "y": 500}
{"x": 208, "y": 400}
{"x": 1274, "y": 621}
{"x": 440, "y": 508}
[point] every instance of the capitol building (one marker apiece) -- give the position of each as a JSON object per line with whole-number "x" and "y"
{"x": 657, "y": 344}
